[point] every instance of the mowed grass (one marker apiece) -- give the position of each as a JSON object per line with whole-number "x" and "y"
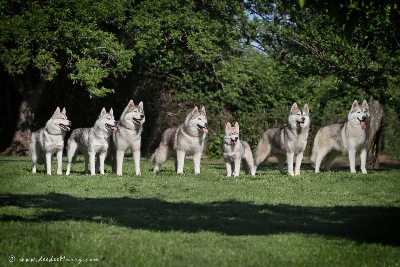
{"x": 326, "y": 219}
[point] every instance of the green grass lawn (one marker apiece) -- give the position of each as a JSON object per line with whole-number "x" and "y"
{"x": 326, "y": 219}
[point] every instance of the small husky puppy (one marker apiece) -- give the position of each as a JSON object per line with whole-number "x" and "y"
{"x": 236, "y": 150}
{"x": 49, "y": 140}
{"x": 91, "y": 142}
{"x": 344, "y": 137}
{"x": 287, "y": 141}
{"x": 188, "y": 139}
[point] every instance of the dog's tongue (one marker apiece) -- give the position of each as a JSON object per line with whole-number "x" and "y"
{"x": 234, "y": 142}
{"x": 113, "y": 128}
{"x": 363, "y": 125}
{"x": 67, "y": 128}
{"x": 205, "y": 130}
{"x": 301, "y": 124}
{"x": 141, "y": 121}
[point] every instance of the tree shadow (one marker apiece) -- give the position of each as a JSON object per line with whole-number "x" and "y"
{"x": 356, "y": 223}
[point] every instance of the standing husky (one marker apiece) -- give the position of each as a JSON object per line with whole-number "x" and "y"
{"x": 188, "y": 139}
{"x": 235, "y": 151}
{"x": 49, "y": 140}
{"x": 128, "y": 137}
{"x": 346, "y": 137}
{"x": 286, "y": 142}
{"x": 92, "y": 141}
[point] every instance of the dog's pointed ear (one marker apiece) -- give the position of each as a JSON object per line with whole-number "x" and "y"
{"x": 294, "y": 106}
{"x": 236, "y": 127}
{"x": 228, "y": 126}
{"x": 103, "y": 112}
{"x": 306, "y": 108}
{"x": 195, "y": 111}
{"x": 355, "y": 105}
{"x": 57, "y": 110}
{"x": 130, "y": 104}
{"x": 203, "y": 110}
{"x": 141, "y": 105}
{"x": 365, "y": 104}
{"x": 111, "y": 112}
{"x": 64, "y": 112}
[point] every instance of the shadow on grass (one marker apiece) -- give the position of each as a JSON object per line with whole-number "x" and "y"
{"x": 360, "y": 224}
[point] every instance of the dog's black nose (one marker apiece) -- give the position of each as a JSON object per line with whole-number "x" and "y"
{"x": 206, "y": 125}
{"x": 364, "y": 118}
{"x": 141, "y": 116}
{"x": 236, "y": 138}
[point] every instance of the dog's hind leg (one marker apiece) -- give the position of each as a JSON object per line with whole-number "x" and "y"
{"x": 263, "y": 151}
{"x": 329, "y": 159}
{"x": 71, "y": 149}
{"x": 281, "y": 163}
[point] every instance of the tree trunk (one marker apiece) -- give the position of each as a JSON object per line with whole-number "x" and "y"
{"x": 375, "y": 134}
{"x": 26, "y": 114}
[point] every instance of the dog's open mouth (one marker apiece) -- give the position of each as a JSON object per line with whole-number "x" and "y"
{"x": 362, "y": 123}
{"x": 111, "y": 127}
{"x": 234, "y": 141}
{"x": 139, "y": 121}
{"x": 202, "y": 128}
{"x": 64, "y": 127}
{"x": 301, "y": 124}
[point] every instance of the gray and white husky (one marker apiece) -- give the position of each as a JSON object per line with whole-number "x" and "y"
{"x": 344, "y": 137}
{"x": 188, "y": 139}
{"x": 92, "y": 142}
{"x": 287, "y": 141}
{"x": 128, "y": 137}
{"x": 49, "y": 140}
{"x": 236, "y": 150}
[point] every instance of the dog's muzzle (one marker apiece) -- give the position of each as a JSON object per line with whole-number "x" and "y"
{"x": 203, "y": 128}
{"x": 111, "y": 127}
{"x": 64, "y": 127}
{"x": 138, "y": 121}
{"x": 234, "y": 141}
{"x": 362, "y": 122}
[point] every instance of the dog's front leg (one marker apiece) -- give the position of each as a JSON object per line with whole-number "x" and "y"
{"x": 48, "y": 163}
{"x": 59, "y": 162}
{"x": 237, "y": 167}
{"x": 363, "y": 156}
{"x": 352, "y": 160}
{"x": 119, "y": 159}
{"x": 136, "y": 159}
{"x": 228, "y": 164}
{"x": 299, "y": 158}
{"x": 196, "y": 161}
{"x": 102, "y": 157}
{"x": 92, "y": 162}
{"x": 180, "y": 158}
{"x": 289, "y": 158}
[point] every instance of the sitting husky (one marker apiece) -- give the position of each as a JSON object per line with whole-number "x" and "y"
{"x": 235, "y": 151}
{"x": 188, "y": 139}
{"x": 287, "y": 141}
{"x": 49, "y": 140}
{"x": 128, "y": 137}
{"x": 345, "y": 137}
{"x": 91, "y": 142}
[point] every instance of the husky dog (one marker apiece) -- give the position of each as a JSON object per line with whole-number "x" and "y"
{"x": 287, "y": 141}
{"x": 345, "y": 137}
{"x": 187, "y": 139}
{"x": 236, "y": 150}
{"x": 128, "y": 137}
{"x": 49, "y": 140}
{"x": 92, "y": 141}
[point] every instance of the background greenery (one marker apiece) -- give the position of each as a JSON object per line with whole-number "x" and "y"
{"x": 246, "y": 61}
{"x": 326, "y": 219}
